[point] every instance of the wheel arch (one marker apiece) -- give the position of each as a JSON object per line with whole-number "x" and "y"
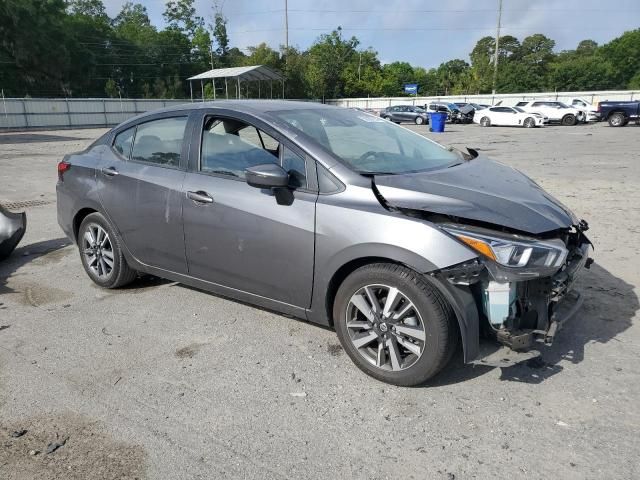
{"x": 78, "y": 218}
{"x": 614, "y": 112}
{"x": 459, "y": 298}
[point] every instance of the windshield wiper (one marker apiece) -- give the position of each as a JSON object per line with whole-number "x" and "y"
{"x": 366, "y": 172}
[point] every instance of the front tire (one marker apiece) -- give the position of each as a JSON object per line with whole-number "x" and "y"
{"x": 419, "y": 120}
{"x": 529, "y": 122}
{"x": 101, "y": 253}
{"x": 569, "y": 120}
{"x": 394, "y": 324}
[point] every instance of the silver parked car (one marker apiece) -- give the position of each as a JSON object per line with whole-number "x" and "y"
{"x": 331, "y": 215}
{"x": 406, "y": 113}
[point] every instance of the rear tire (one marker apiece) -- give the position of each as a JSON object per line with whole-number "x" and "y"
{"x": 101, "y": 253}
{"x": 569, "y": 120}
{"x": 419, "y": 120}
{"x": 617, "y": 120}
{"x": 404, "y": 349}
{"x": 485, "y": 122}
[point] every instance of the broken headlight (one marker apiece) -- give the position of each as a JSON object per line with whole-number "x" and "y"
{"x": 514, "y": 251}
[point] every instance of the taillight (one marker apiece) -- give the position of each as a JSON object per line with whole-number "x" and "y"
{"x": 63, "y": 166}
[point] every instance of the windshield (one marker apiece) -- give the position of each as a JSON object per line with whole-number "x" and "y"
{"x": 369, "y": 144}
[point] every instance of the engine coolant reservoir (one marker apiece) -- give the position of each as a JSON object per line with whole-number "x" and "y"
{"x": 498, "y": 300}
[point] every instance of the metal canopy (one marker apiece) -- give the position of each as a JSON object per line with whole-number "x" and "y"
{"x": 255, "y": 73}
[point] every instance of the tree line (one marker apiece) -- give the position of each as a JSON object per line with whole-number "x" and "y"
{"x": 72, "y": 48}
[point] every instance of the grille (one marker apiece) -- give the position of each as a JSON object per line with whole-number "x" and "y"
{"x": 26, "y": 204}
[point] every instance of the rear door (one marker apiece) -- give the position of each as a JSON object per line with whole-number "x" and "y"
{"x": 256, "y": 241}
{"x": 140, "y": 185}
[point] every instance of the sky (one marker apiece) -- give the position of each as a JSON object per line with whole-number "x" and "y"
{"x": 422, "y": 32}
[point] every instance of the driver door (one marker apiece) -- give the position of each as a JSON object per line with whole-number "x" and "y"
{"x": 241, "y": 237}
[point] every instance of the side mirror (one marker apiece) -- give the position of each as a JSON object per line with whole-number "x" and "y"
{"x": 268, "y": 175}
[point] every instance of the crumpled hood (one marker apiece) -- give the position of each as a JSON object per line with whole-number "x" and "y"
{"x": 481, "y": 190}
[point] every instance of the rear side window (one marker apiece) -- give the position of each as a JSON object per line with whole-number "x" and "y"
{"x": 538, "y": 104}
{"x": 160, "y": 142}
{"x": 521, "y": 104}
{"x": 122, "y": 142}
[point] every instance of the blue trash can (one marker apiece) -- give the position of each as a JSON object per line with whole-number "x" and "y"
{"x": 437, "y": 121}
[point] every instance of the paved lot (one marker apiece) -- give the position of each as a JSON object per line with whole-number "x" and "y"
{"x": 160, "y": 381}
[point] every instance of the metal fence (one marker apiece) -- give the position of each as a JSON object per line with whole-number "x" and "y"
{"x": 25, "y": 113}
{"x": 507, "y": 99}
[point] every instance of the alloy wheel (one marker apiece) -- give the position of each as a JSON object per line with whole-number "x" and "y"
{"x": 385, "y": 327}
{"x": 98, "y": 250}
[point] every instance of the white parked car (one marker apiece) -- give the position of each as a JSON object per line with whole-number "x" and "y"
{"x": 591, "y": 111}
{"x": 508, "y": 116}
{"x": 555, "y": 111}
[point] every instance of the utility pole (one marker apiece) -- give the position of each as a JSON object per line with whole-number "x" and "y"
{"x": 286, "y": 42}
{"x": 286, "y": 25}
{"x": 495, "y": 54}
{"x": 359, "y": 64}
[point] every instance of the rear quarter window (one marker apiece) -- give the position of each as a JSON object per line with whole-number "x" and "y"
{"x": 122, "y": 142}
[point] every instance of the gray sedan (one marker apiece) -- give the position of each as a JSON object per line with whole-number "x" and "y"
{"x": 406, "y": 113}
{"x": 334, "y": 216}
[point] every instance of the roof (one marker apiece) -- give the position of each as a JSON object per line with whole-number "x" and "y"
{"x": 255, "y": 72}
{"x": 254, "y": 107}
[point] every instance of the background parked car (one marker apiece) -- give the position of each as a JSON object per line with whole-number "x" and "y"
{"x": 406, "y": 113}
{"x": 508, "y": 116}
{"x": 618, "y": 114}
{"x": 452, "y": 110}
{"x": 590, "y": 110}
{"x": 554, "y": 111}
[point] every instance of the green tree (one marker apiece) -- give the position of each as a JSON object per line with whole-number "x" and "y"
{"x": 89, "y": 8}
{"x": 181, "y": 14}
{"x": 328, "y": 57}
{"x": 221, "y": 38}
{"x": 624, "y": 54}
{"x": 33, "y": 47}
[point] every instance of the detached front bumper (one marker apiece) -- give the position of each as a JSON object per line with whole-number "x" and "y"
{"x": 12, "y": 228}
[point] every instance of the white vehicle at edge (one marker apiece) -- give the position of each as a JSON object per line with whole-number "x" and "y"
{"x": 591, "y": 111}
{"x": 555, "y": 111}
{"x": 508, "y": 117}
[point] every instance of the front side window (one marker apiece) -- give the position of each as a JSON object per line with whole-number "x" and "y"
{"x": 295, "y": 165}
{"x": 368, "y": 144}
{"x": 159, "y": 141}
{"x": 122, "y": 142}
{"x": 230, "y": 146}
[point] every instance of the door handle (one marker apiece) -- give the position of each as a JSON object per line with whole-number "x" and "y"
{"x": 110, "y": 172}
{"x": 200, "y": 197}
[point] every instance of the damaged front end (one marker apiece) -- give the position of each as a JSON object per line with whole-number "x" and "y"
{"x": 522, "y": 285}
{"x": 12, "y": 228}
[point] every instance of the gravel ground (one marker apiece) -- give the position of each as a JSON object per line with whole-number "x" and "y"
{"x": 161, "y": 381}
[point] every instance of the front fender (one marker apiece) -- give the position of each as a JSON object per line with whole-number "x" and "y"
{"x": 346, "y": 235}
